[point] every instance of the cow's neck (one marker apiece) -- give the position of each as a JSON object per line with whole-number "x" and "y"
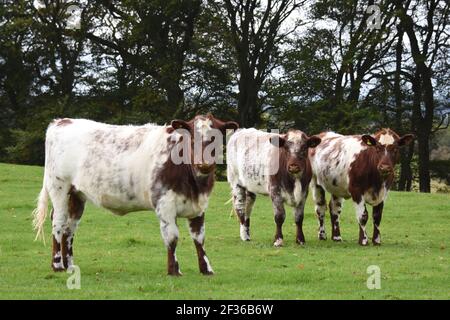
{"x": 183, "y": 179}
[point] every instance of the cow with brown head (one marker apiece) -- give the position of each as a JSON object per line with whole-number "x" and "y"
{"x": 360, "y": 167}
{"x": 270, "y": 164}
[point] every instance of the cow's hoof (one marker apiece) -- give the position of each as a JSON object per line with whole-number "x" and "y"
{"x": 363, "y": 242}
{"x": 337, "y": 238}
{"x": 278, "y": 243}
{"x": 322, "y": 236}
{"x": 376, "y": 240}
{"x": 58, "y": 269}
{"x": 244, "y": 233}
{"x": 301, "y": 243}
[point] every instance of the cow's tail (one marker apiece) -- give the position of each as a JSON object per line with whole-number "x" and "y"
{"x": 232, "y": 211}
{"x": 40, "y": 213}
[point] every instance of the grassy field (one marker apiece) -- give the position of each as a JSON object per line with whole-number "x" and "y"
{"x": 124, "y": 258}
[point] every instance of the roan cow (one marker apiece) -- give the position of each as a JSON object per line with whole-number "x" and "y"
{"x": 126, "y": 169}
{"x": 360, "y": 167}
{"x": 270, "y": 164}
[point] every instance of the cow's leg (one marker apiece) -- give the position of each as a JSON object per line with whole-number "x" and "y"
{"x": 279, "y": 216}
{"x": 376, "y": 214}
{"x": 362, "y": 217}
{"x": 76, "y": 208}
{"x": 335, "y": 211}
{"x": 239, "y": 203}
{"x": 320, "y": 207}
{"x": 59, "y": 217}
{"x": 197, "y": 231}
{"x": 250, "y": 198}
{"x": 299, "y": 212}
{"x": 169, "y": 233}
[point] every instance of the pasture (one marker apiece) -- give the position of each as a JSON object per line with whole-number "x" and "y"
{"x": 124, "y": 257}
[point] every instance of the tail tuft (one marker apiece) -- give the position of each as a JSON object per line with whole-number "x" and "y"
{"x": 40, "y": 214}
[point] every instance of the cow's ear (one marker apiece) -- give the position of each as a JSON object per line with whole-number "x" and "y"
{"x": 180, "y": 124}
{"x": 405, "y": 140}
{"x": 277, "y": 141}
{"x": 369, "y": 140}
{"x": 229, "y": 125}
{"x": 313, "y": 141}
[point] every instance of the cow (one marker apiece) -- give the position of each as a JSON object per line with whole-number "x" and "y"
{"x": 126, "y": 169}
{"x": 270, "y": 164}
{"x": 360, "y": 167}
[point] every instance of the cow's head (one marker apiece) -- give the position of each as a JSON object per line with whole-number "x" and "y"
{"x": 386, "y": 145}
{"x": 203, "y": 131}
{"x": 294, "y": 147}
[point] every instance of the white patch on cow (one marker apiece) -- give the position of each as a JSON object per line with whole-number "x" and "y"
{"x": 244, "y": 233}
{"x": 386, "y": 139}
{"x": 176, "y": 260}
{"x": 360, "y": 209}
{"x": 208, "y": 265}
{"x": 177, "y": 205}
{"x": 293, "y": 199}
{"x": 295, "y": 138}
{"x": 376, "y": 199}
{"x": 278, "y": 242}
{"x": 203, "y": 127}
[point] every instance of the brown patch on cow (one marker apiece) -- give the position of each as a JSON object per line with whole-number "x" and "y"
{"x": 300, "y": 237}
{"x": 76, "y": 204}
{"x": 182, "y": 179}
{"x": 173, "y": 269}
{"x": 56, "y": 247}
{"x": 377, "y": 214}
{"x": 65, "y": 250}
{"x": 286, "y": 180}
{"x": 364, "y": 174}
{"x": 63, "y": 122}
{"x": 195, "y": 226}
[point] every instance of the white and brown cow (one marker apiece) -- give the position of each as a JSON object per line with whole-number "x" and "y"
{"x": 360, "y": 167}
{"x": 270, "y": 164}
{"x": 125, "y": 169}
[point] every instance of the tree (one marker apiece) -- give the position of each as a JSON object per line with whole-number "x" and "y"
{"x": 153, "y": 38}
{"x": 256, "y": 35}
{"x": 426, "y": 42}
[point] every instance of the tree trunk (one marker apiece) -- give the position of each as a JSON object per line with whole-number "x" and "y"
{"x": 423, "y": 93}
{"x": 175, "y": 100}
{"x": 424, "y": 162}
{"x": 406, "y": 176}
{"x": 247, "y": 103}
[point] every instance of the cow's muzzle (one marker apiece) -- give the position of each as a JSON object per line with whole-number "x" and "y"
{"x": 205, "y": 168}
{"x": 385, "y": 170}
{"x": 294, "y": 169}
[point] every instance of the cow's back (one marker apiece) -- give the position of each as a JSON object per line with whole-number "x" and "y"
{"x": 110, "y": 165}
{"x": 331, "y": 161}
{"x": 251, "y": 158}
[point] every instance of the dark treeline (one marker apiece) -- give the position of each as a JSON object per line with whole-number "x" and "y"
{"x": 313, "y": 65}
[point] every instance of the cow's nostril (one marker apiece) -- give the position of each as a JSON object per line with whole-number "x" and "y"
{"x": 294, "y": 169}
{"x": 385, "y": 168}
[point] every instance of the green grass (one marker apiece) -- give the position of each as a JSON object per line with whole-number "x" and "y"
{"x": 124, "y": 257}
